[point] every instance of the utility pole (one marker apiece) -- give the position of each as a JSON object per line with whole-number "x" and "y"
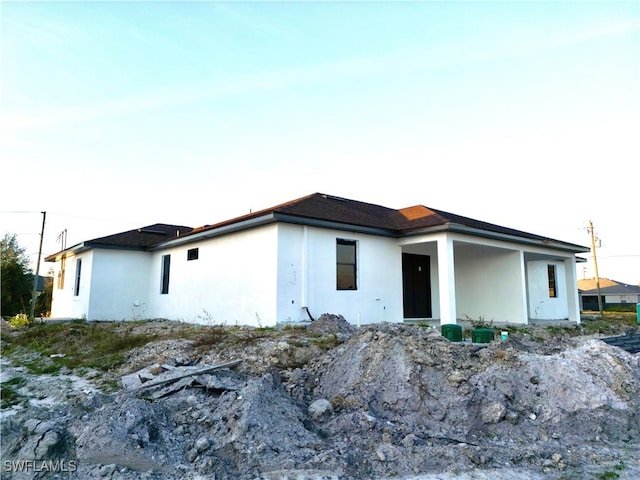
{"x": 35, "y": 278}
{"x": 595, "y": 266}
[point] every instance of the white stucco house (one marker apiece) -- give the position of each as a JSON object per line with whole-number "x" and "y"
{"x": 321, "y": 254}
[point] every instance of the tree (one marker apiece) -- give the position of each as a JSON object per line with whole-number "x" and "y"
{"x": 43, "y": 301}
{"x": 16, "y": 278}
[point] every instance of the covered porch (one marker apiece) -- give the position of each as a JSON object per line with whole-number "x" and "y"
{"x": 451, "y": 278}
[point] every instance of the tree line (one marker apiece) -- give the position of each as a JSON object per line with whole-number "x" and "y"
{"x": 16, "y": 281}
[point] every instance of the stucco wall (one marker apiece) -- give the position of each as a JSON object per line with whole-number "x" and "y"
{"x": 65, "y": 304}
{"x": 488, "y": 283}
{"x": 307, "y": 260}
{"x": 232, "y": 282}
{"x": 119, "y": 281}
{"x": 541, "y": 306}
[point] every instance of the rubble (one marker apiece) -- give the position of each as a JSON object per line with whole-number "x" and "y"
{"x": 388, "y": 401}
{"x": 174, "y": 376}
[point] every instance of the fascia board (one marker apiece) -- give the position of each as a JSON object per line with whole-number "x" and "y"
{"x": 457, "y": 228}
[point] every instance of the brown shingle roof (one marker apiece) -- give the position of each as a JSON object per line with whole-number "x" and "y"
{"x": 333, "y": 212}
{"x": 403, "y": 222}
{"x": 141, "y": 238}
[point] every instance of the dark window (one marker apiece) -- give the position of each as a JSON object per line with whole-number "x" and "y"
{"x": 346, "y": 264}
{"x": 551, "y": 274}
{"x": 76, "y": 287}
{"x": 166, "y": 264}
{"x": 192, "y": 254}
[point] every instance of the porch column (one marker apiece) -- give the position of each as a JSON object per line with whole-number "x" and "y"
{"x": 446, "y": 281}
{"x": 525, "y": 295}
{"x": 573, "y": 299}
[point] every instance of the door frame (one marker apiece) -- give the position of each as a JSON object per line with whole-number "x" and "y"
{"x": 416, "y": 286}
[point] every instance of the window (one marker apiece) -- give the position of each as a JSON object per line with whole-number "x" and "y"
{"x": 76, "y": 287}
{"x": 551, "y": 274}
{"x": 166, "y": 264}
{"x": 192, "y": 254}
{"x": 346, "y": 264}
{"x": 63, "y": 262}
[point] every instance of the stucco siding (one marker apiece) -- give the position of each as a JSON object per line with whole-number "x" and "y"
{"x": 119, "y": 281}
{"x": 541, "y": 305}
{"x": 488, "y": 283}
{"x": 378, "y": 296}
{"x": 231, "y": 283}
{"x": 66, "y": 304}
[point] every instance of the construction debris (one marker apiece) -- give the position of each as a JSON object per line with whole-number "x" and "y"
{"x": 173, "y": 376}
{"x": 629, "y": 342}
{"x": 381, "y": 401}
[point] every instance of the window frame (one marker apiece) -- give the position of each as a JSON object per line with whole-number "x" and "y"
{"x": 78, "y": 276}
{"x": 193, "y": 254}
{"x": 341, "y": 265}
{"x": 165, "y": 272}
{"x": 552, "y": 279}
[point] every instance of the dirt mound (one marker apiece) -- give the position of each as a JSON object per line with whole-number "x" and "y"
{"x": 328, "y": 324}
{"x": 391, "y": 400}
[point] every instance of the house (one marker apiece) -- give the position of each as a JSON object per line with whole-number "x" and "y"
{"x": 319, "y": 254}
{"x": 612, "y": 293}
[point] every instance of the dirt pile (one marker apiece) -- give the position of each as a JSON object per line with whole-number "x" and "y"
{"x": 388, "y": 401}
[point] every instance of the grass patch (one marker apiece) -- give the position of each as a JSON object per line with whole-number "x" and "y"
{"x": 77, "y": 344}
{"x": 8, "y": 392}
{"x": 327, "y": 342}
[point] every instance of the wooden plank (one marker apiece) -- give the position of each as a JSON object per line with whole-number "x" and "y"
{"x": 167, "y": 381}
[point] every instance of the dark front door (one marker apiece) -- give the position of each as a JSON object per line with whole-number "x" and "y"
{"x": 416, "y": 286}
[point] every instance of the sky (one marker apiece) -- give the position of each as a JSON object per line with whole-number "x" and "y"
{"x": 116, "y": 115}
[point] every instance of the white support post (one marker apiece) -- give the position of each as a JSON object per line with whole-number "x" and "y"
{"x": 573, "y": 299}
{"x": 525, "y": 296}
{"x": 446, "y": 281}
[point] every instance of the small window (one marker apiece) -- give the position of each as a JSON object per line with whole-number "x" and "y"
{"x": 192, "y": 254}
{"x": 76, "y": 287}
{"x": 551, "y": 274}
{"x": 166, "y": 264}
{"x": 346, "y": 264}
{"x": 63, "y": 262}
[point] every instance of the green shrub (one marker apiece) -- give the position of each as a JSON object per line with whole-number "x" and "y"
{"x": 20, "y": 320}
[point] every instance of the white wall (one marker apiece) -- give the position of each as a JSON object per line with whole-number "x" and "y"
{"x": 308, "y": 276}
{"x": 119, "y": 283}
{"x": 232, "y": 282}
{"x": 541, "y": 306}
{"x": 621, "y": 298}
{"x": 64, "y": 303}
{"x": 489, "y": 283}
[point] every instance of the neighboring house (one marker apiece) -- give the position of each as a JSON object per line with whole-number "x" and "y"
{"x": 612, "y": 293}
{"x": 321, "y": 254}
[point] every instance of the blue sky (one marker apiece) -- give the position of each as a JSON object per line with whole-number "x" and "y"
{"x": 123, "y": 114}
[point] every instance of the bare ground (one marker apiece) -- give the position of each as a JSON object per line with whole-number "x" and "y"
{"x": 332, "y": 401}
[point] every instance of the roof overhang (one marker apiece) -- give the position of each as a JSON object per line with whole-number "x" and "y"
{"x": 463, "y": 229}
{"x": 271, "y": 217}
